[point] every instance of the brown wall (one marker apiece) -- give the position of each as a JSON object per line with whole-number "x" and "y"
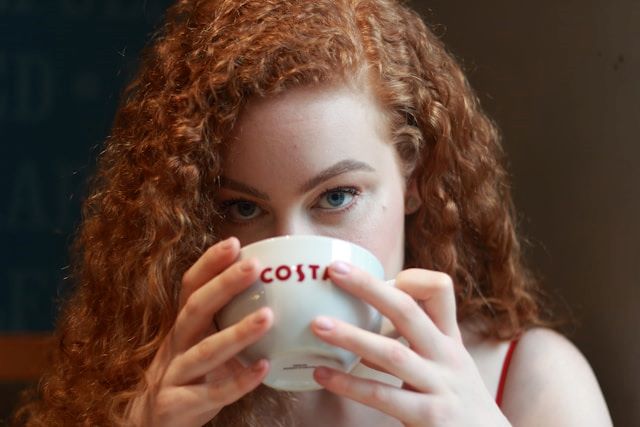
{"x": 562, "y": 79}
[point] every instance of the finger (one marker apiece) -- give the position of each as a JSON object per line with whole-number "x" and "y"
{"x": 215, "y": 260}
{"x": 403, "y": 311}
{"x": 388, "y": 329}
{"x": 394, "y": 357}
{"x": 196, "y": 316}
{"x": 205, "y": 400}
{"x": 404, "y": 405}
{"x": 218, "y": 348}
{"x": 373, "y": 366}
{"x": 435, "y": 291}
{"x": 215, "y": 396}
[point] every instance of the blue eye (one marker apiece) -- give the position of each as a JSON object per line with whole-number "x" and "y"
{"x": 337, "y": 198}
{"x": 241, "y": 210}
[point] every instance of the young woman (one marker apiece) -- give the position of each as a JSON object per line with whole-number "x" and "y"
{"x": 345, "y": 118}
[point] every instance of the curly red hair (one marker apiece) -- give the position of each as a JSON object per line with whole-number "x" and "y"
{"x": 149, "y": 214}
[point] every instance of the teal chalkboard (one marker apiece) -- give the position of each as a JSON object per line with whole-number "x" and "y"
{"x": 63, "y": 64}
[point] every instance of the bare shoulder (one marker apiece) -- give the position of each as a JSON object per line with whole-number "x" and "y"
{"x": 550, "y": 383}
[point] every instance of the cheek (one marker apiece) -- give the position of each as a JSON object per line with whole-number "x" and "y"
{"x": 382, "y": 232}
{"x": 389, "y": 239}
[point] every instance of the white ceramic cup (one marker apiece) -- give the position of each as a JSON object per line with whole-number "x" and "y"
{"x": 294, "y": 283}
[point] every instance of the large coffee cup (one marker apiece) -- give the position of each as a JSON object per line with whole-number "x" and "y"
{"x": 294, "y": 282}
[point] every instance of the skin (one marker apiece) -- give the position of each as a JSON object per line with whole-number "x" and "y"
{"x": 318, "y": 161}
{"x": 293, "y": 156}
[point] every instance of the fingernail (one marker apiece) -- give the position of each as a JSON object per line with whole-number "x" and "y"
{"x": 259, "y": 366}
{"x": 247, "y": 265}
{"x": 322, "y": 373}
{"x": 260, "y": 317}
{"x": 227, "y": 244}
{"x": 340, "y": 267}
{"x": 324, "y": 323}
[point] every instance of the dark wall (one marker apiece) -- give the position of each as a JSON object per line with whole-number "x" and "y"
{"x": 62, "y": 66}
{"x": 560, "y": 78}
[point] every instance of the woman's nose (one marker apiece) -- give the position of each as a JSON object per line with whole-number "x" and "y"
{"x": 293, "y": 225}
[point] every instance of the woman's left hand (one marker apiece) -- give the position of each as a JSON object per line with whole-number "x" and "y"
{"x": 441, "y": 384}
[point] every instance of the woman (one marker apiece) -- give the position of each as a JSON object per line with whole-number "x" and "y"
{"x": 250, "y": 119}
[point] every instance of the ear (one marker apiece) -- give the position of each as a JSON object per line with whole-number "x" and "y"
{"x": 412, "y": 199}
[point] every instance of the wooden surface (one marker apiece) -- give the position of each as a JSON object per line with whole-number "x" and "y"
{"x": 23, "y": 357}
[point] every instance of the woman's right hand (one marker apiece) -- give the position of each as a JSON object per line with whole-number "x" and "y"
{"x": 194, "y": 374}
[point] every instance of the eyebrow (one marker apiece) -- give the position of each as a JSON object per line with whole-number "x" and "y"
{"x": 243, "y": 188}
{"x": 343, "y": 166}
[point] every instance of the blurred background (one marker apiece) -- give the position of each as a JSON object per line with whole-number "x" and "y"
{"x": 561, "y": 78}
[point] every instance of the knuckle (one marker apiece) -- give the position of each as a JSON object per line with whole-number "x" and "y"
{"x": 246, "y": 382}
{"x": 379, "y": 394}
{"x": 438, "y": 412}
{"x": 396, "y": 353}
{"x": 405, "y": 308}
{"x": 342, "y": 386}
{"x": 444, "y": 281}
{"x": 213, "y": 392}
{"x": 192, "y": 308}
{"x": 222, "y": 393}
{"x": 454, "y": 352}
{"x": 164, "y": 403}
{"x": 426, "y": 412}
{"x": 205, "y": 350}
{"x": 405, "y": 275}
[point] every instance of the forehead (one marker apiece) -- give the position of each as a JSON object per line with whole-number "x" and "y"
{"x": 308, "y": 124}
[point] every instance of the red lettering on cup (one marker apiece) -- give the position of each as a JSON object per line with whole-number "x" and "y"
{"x": 325, "y": 276}
{"x": 298, "y": 272}
{"x": 263, "y": 275}
{"x": 314, "y": 270}
{"x": 283, "y": 272}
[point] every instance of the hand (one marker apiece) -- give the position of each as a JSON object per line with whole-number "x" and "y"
{"x": 441, "y": 384}
{"x": 194, "y": 374}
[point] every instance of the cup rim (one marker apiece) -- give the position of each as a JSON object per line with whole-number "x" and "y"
{"x": 307, "y": 237}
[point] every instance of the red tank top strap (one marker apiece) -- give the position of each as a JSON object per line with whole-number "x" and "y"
{"x": 505, "y": 369}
